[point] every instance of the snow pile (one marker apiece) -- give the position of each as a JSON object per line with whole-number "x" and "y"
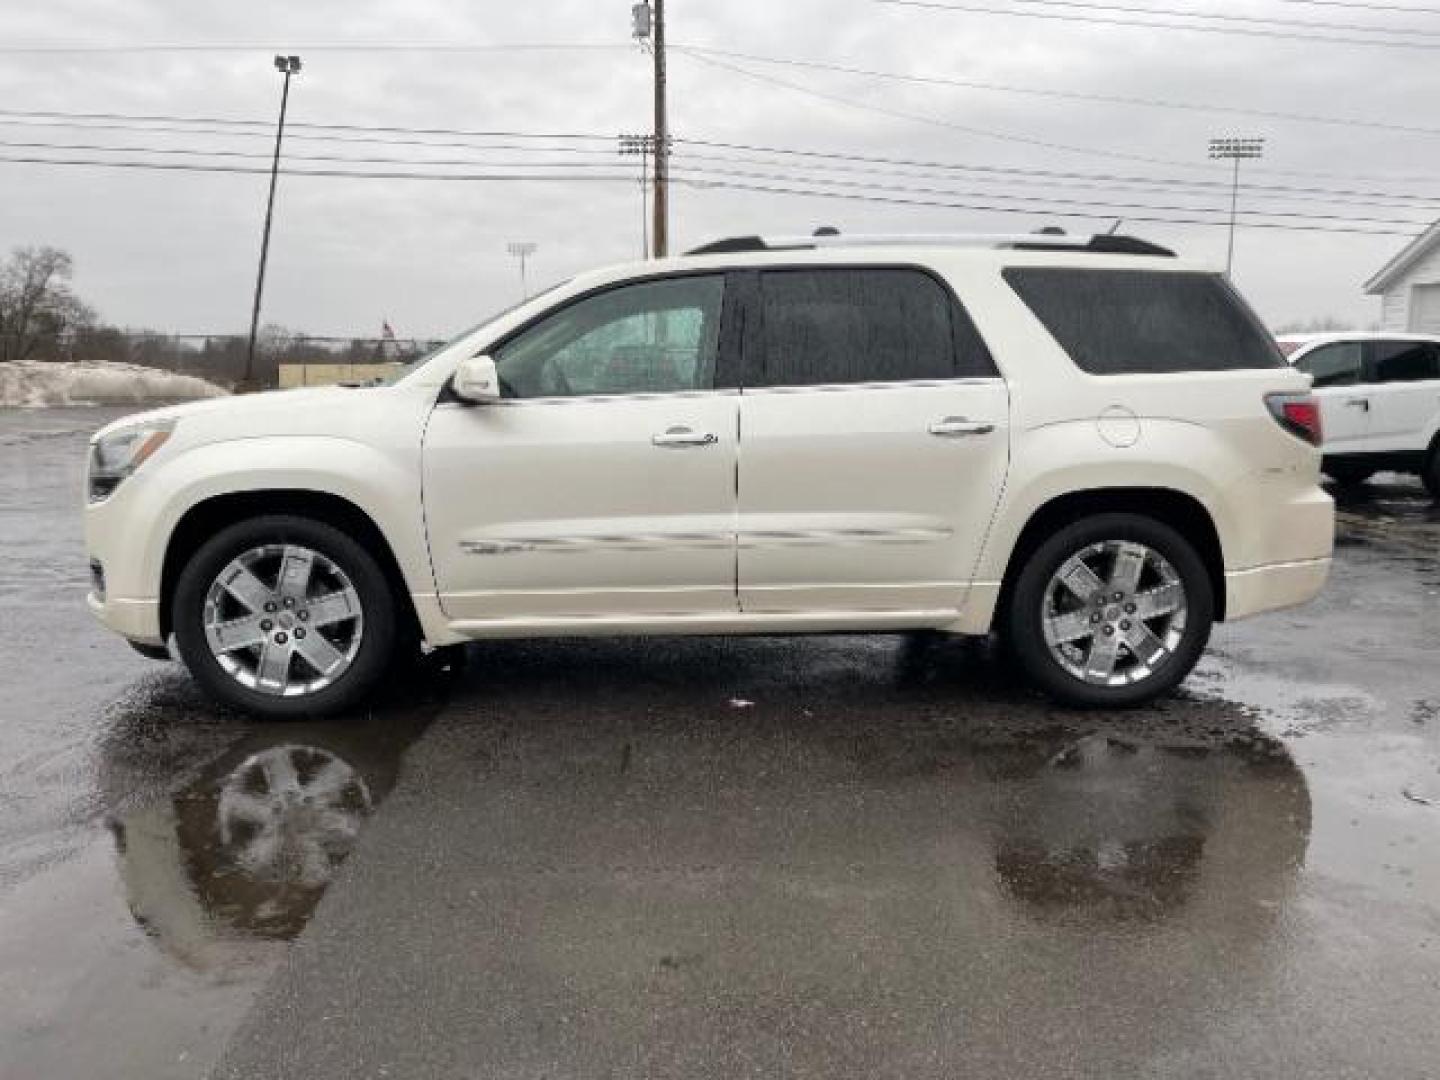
{"x": 39, "y": 385}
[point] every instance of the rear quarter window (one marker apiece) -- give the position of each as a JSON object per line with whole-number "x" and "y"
{"x": 1124, "y": 322}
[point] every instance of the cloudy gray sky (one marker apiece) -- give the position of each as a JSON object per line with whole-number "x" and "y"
{"x": 176, "y": 250}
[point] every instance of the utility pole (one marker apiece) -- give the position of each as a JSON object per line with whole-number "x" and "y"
{"x": 1235, "y": 150}
{"x": 661, "y": 228}
{"x": 522, "y": 250}
{"x": 287, "y": 66}
{"x": 648, "y": 25}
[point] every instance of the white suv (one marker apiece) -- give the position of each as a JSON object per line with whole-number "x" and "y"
{"x": 1379, "y": 397}
{"x": 1081, "y": 444}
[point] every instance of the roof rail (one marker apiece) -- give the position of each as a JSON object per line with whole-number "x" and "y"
{"x": 1045, "y": 240}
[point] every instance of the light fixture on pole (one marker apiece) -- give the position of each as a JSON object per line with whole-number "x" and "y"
{"x": 287, "y": 66}
{"x": 1235, "y": 150}
{"x": 630, "y": 145}
{"x": 522, "y": 250}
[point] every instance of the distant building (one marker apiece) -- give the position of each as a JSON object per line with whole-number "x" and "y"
{"x": 1409, "y": 286}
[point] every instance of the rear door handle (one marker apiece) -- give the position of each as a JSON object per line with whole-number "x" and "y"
{"x": 1358, "y": 403}
{"x": 680, "y": 437}
{"x": 956, "y": 426}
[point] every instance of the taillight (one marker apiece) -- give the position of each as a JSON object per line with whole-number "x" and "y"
{"x": 1298, "y": 414}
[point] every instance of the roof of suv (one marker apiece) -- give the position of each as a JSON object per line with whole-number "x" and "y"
{"x": 1330, "y": 337}
{"x": 1044, "y": 240}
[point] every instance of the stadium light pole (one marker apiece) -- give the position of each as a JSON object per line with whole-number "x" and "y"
{"x": 522, "y": 250}
{"x": 287, "y": 66}
{"x": 1236, "y": 151}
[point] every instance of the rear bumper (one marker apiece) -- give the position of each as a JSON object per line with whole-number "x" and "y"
{"x": 1278, "y": 585}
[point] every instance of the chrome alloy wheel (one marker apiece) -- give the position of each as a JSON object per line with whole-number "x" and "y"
{"x": 283, "y": 619}
{"x": 291, "y": 814}
{"x": 1114, "y": 613}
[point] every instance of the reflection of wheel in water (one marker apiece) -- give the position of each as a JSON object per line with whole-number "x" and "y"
{"x": 291, "y": 814}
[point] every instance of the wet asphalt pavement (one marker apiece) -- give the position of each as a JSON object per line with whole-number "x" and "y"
{"x": 700, "y": 857}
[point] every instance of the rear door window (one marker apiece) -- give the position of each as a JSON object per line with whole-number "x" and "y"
{"x": 825, "y": 327}
{"x": 1333, "y": 365}
{"x": 1404, "y": 361}
{"x": 1122, "y": 322}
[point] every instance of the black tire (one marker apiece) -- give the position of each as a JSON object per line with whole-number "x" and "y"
{"x": 1430, "y": 472}
{"x": 1024, "y": 615}
{"x": 1348, "y": 475}
{"x": 377, "y": 640}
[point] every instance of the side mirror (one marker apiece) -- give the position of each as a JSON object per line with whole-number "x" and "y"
{"x": 476, "y": 380}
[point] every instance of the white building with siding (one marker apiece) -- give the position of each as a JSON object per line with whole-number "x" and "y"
{"x": 1409, "y": 286}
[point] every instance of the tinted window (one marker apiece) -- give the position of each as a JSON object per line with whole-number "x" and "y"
{"x": 651, "y": 337}
{"x": 1404, "y": 361}
{"x": 1333, "y": 365}
{"x": 848, "y": 326}
{"x": 1115, "y": 322}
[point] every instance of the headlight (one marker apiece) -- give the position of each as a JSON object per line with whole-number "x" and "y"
{"x": 120, "y": 453}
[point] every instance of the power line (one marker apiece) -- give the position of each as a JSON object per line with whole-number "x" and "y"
{"x": 323, "y": 47}
{"x": 1084, "y": 181}
{"x": 1146, "y": 219}
{"x": 933, "y": 120}
{"x": 179, "y": 166}
{"x": 1092, "y": 207}
{"x": 334, "y": 158}
{"x": 1362, "y": 5}
{"x": 888, "y": 194}
{"x": 1214, "y": 16}
{"x": 1159, "y": 25}
{"x": 832, "y": 160}
{"x": 1101, "y": 99}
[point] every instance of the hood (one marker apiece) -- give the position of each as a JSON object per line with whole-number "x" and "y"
{"x": 301, "y": 406}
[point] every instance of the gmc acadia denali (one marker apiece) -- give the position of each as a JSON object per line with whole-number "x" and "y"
{"x": 1080, "y": 444}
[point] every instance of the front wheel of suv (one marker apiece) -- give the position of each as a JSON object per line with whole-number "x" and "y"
{"x": 284, "y": 616}
{"x": 1110, "y": 611}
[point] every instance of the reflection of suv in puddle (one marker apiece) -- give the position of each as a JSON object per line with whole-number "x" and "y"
{"x": 1116, "y": 826}
{"x": 242, "y": 854}
{"x": 1081, "y": 443}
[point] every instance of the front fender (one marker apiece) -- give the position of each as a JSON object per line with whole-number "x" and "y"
{"x": 132, "y": 530}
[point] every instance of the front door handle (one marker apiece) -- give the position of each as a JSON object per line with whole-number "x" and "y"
{"x": 1358, "y": 403}
{"x": 955, "y": 426}
{"x": 680, "y": 437}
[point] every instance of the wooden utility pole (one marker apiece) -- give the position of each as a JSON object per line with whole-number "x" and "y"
{"x": 660, "y": 229}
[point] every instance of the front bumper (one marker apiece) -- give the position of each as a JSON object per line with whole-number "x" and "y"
{"x": 135, "y": 620}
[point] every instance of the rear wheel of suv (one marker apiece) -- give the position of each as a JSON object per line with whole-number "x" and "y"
{"x": 284, "y": 616}
{"x": 1110, "y": 611}
{"x": 1430, "y": 472}
{"x": 1348, "y": 475}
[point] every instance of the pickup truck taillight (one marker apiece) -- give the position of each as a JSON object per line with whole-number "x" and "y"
{"x": 1298, "y": 414}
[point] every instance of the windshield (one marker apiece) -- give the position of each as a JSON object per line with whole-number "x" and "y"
{"x": 411, "y": 366}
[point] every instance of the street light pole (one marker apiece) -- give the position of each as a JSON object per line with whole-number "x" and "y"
{"x": 1235, "y": 150}
{"x": 522, "y": 250}
{"x": 287, "y": 66}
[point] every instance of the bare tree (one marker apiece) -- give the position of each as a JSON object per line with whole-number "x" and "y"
{"x": 38, "y": 308}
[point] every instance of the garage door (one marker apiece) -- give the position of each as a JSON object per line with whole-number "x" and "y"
{"x": 1425, "y": 309}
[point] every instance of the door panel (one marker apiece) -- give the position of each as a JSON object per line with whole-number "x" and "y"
{"x": 570, "y": 507}
{"x": 1404, "y": 396}
{"x": 874, "y": 442}
{"x": 849, "y": 502}
{"x": 603, "y": 482}
{"x": 1344, "y": 402}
